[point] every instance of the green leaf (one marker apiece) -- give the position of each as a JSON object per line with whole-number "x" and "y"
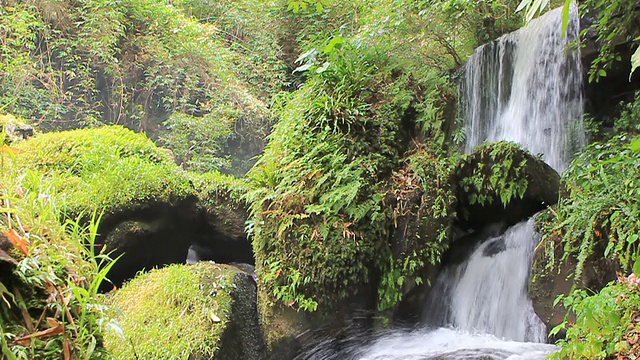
{"x": 523, "y": 4}
{"x": 636, "y": 265}
{"x": 4, "y": 291}
{"x": 635, "y": 144}
{"x": 335, "y": 43}
{"x": 556, "y": 329}
{"x": 323, "y": 68}
{"x": 635, "y": 61}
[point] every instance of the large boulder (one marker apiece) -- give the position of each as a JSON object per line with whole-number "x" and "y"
{"x": 551, "y": 278}
{"x": 153, "y": 212}
{"x": 501, "y": 183}
{"x": 202, "y": 311}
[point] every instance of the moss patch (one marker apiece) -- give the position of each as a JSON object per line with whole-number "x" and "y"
{"x": 110, "y": 168}
{"x": 174, "y": 312}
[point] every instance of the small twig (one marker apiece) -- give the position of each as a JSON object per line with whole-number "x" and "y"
{"x": 44, "y": 311}
{"x": 66, "y": 310}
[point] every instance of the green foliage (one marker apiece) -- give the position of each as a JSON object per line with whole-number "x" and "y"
{"x": 617, "y": 22}
{"x": 422, "y": 216}
{"x": 497, "y": 169}
{"x": 56, "y": 277}
{"x": 318, "y": 221}
{"x": 111, "y": 168}
{"x": 207, "y": 142}
{"x": 606, "y": 324}
{"x": 484, "y": 20}
{"x": 629, "y": 119}
{"x": 601, "y": 208}
{"x": 251, "y": 31}
{"x": 297, "y": 5}
{"x": 175, "y": 312}
{"x": 64, "y": 67}
{"x": 531, "y": 8}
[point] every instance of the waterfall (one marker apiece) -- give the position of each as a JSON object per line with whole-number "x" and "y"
{"x": 488, "y": 291}
{"x": 526, "y": 87}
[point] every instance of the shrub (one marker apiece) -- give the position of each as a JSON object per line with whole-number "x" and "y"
{"x": 601, "y": 205}
{"x": 318, "y": 221}
{"x": 606, "y": 324}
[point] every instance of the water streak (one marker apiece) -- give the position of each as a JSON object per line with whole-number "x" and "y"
{"x": 526, "y": 87}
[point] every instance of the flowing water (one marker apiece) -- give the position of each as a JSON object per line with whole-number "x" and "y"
{"x": 488, "y": 291}
{"x": 524, "y": 87}
{"x": 527, "y": 88}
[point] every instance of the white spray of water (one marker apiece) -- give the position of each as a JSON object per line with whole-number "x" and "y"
{"x": 488, "y": 292}
{"x": 448, "y": 344}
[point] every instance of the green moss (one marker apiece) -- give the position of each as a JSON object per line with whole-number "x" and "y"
{"x": 110, "y": 168}
{"x": 173, "y": 312}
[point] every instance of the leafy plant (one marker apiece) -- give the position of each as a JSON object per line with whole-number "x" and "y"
{"x": 600, "y": 209}
{"x": 50, "y": 303}
{"x": 606, "y": 324}
{"x": 318, "y": 219}
{"x": 504, "y": 178}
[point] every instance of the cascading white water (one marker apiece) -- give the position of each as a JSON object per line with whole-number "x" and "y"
{"x": 487, "y": 292}
{"x": 526, "y": 87}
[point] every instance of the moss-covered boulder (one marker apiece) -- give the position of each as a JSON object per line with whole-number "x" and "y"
{"x": 110, "y": 168}
{"x": 202, "y": 311}
{"x": 153, "y": 211}
{"x": 500, "y": 182}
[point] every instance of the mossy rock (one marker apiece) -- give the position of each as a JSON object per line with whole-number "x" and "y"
{"x": 14, "y": 129}
{"x": 202, "y": 311}
{"x": 109, "y": 168}
{"x": 152, "y": 209}
{"x": 501, "y": 182}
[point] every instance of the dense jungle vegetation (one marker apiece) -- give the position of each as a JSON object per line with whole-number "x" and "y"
{"x": 335, "y": 122}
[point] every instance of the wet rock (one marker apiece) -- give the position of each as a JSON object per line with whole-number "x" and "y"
{"x": 494, "y": 247}
{"x": 547, "y": 282}
{"x": 243, "y": 339}
{"x": 160, "y": 234}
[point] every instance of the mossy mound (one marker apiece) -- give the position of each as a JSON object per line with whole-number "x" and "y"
{"x": 501, "y": 182}
{"x": 179, "y": 312}
{"x": 153, "y": 210}
{"x": 109, "y": 168}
